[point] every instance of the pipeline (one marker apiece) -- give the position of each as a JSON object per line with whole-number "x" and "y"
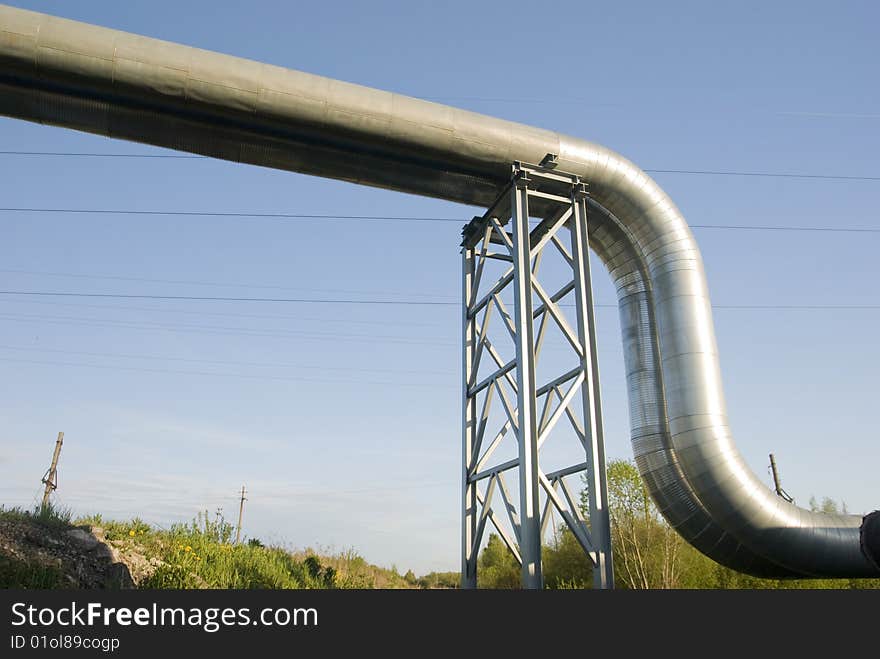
{"x": 65, "y": 73}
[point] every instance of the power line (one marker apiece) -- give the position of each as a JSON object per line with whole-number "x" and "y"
{"x": 223, "y": 362}
{"x": 277, "y": 216}
{"x": 797, "y": 307}
{"x": 86, "y": 154}
{"x": 380, "y": 218}
{"x": 839, "y": 307}
{"x": 133, "y": 296}
{"x": 227, "y": 314}
{"x": 190, "y": 282}
{"x": 396, "y": 383}
{"x": 226, "y": 331}
{"x": 751, "y": 227}
{"x": 448, "y": 302}
{"x": 700, "y": 172}
{"x": 796, "y": 175}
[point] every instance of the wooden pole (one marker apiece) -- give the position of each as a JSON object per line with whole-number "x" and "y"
{"x": 50, "y": 478}
{"x": 240, "y": 513}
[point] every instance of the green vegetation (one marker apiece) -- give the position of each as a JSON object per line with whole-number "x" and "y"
{"x": 195, "y": 555}
{"x": 496, "y": 566}
{"x": 434, "y": 580}
{"x": 353, "y": 571}
{"x": 564, "y": 562}
{"x": 50, "y": 516}
{"x": 16, "y": 572}
{"x": 201, "y": 555}
{"x": 647, "y": 552}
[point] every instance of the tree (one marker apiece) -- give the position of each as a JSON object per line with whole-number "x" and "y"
{"x": 496, "y": 567}
{"x": 565, "y": 563}
{"x": 828, "y": 506}
{"x": 647, "y": 553}
{"x": 440, "y": 580}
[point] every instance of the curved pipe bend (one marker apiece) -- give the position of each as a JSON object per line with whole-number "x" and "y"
{"x": 130, "y": 87}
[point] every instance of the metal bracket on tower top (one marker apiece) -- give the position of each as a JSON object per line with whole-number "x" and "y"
{"x": 531, "y": 410}
{"x": 550, "y": 161}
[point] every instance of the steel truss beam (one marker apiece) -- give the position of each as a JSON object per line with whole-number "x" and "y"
{"x": 533, "y": 410}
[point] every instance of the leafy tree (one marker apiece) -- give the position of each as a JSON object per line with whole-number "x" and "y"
{"x": 647, "y": 553}
{"x": 440, "y": 580}
{"x": 828, "y": 506}
{"x": 565, "y": 563}
{"x": 496, "y": 566}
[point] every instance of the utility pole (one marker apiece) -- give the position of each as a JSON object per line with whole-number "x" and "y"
{"x": 776, "y": 484}
{"x": 240, "y": 513}
{"x": 50, "y": 478}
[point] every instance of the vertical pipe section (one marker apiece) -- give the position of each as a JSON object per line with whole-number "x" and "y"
{"x": 468, "y": 427}
{"x": 600, "y": 523}
{"x": 530, "y": 515}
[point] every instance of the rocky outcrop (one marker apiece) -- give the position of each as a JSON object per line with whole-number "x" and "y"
{"x": 81, "y": 555}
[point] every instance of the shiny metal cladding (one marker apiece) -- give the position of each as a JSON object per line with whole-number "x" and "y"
{"x": 70, "y": 74}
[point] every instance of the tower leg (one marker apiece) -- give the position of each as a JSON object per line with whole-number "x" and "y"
{"x": 527, "y": 435}
{"x": 468, "y": 428}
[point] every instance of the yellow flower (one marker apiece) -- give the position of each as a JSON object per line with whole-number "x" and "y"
{"x": 187, "y": 548}
{"x": 131, "y": 533}
{"x": 197, "y": 558}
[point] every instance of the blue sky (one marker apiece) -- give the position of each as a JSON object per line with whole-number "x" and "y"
{"x": 343, "y": 420}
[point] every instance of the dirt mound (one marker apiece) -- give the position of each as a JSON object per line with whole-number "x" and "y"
{"x": 74, "y": 557}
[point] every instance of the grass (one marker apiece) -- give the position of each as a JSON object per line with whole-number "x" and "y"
{"x": 17, "y": 573}
{"x": 50, "y": 516}
{"x": 350, "y": 570}
{"x": 201, "y": 555}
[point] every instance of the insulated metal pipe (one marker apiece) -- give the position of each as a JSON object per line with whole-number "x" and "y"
{"x": 125, "y": 86}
